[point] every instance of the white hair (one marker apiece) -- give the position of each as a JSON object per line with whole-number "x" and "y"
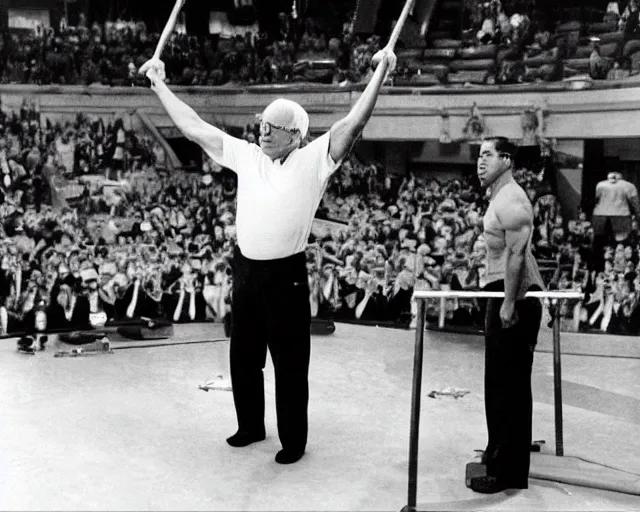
{"x": 300, "y": 116}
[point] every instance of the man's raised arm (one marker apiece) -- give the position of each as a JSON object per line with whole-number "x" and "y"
{"x": 345, "y": 132}
{"x": 192, "y": 126}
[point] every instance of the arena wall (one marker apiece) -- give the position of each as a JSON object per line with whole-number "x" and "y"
{"x": 401, "y": 113}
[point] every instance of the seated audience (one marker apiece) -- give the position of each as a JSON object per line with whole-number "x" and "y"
{"x": 146, "y": 243}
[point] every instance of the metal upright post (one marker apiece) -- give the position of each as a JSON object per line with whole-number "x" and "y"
{"x": 415, "y": 410}
{"x": 557, "y": 377}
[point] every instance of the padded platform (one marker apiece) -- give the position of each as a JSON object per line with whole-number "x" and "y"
{"x": 575, "y": 471}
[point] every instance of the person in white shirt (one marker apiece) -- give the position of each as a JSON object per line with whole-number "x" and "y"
{"x": 616, "y": 202}
{"x": 280, "y": 185}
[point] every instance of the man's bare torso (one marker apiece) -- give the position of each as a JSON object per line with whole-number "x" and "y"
{"x": 508, "y": 197}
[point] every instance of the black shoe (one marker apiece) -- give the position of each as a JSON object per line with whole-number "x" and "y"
{"x": 241, "y": 439}
{"x": 289, "y": 456}
{"x": 491, "y": 485}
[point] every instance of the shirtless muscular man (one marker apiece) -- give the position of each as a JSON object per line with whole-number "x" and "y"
{"x": 511, "y": 324}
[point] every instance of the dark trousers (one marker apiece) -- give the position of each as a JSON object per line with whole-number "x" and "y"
{"x": 271, "y": 310}
{"x": 605, "y": 229}
{"x": 507, "y": 388}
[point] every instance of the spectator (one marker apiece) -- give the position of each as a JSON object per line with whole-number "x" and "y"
{"x": 616, "y": 202}
{"x": 173, "y": 235}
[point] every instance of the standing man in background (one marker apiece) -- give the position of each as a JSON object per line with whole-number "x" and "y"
{"x": 280, "y": 186}
{"x": 511, "y": 324}
{"x": 616, "y": 201}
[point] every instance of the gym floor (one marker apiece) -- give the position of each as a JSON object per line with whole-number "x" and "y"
{"x": 132, "y": 431}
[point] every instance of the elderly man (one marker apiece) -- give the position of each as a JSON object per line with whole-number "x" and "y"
{"x": 280, "y": 185}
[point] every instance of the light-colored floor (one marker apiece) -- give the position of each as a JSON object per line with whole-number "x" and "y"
{"x": 132, "y": 431}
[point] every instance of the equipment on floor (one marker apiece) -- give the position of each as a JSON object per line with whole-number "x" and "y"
{"x": 73, "y": 344}
{"x": 322, "y": 327}
{"x": 30, "y": 344}
{"x": 217, "y": 384}
{"x": 97, "y": 344}
{"x": 147, "y": 329}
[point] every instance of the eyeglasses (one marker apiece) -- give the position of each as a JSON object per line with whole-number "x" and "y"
{"x": 502, "y": 155}
{"x": 266, "y": 127}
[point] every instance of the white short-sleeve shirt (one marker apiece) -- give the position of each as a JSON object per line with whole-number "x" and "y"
{"x": 277, "y": 201}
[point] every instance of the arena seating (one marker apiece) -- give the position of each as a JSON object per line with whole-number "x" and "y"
{"x": 460, "y": 49}
{"x": 100, "y": 189}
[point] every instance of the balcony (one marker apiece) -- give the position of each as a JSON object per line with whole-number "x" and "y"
{"x": 572, "y": 110}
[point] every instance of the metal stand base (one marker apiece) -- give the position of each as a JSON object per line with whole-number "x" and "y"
{"x": 474, "y": 470}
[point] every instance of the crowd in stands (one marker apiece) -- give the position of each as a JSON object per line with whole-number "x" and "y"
{"x": 598, "y": 43}
{"x": 499, "y": 43}
{"x": 110, "y": 54}
{"x": 427, "y": 235}
{"x": 93, "y": 229}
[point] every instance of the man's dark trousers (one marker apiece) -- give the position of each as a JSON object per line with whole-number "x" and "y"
{"x": 507, "y": 389}
{"x": 271, "y": 310}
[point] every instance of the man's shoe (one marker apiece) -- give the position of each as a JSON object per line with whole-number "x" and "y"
{"x": 242, "y": 439}
{"x": 285, "y": 456}
{"x": 491, "y": 485}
